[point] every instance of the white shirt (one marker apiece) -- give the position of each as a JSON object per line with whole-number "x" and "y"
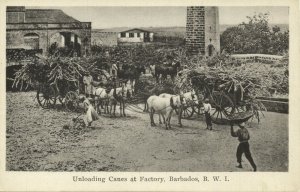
{"x": 114, "y": 67}
{"x": 207, "y": 107}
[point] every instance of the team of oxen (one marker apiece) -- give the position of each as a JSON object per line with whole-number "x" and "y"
{"x": 157, "y": 100}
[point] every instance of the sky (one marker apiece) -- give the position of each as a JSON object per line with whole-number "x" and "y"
{"x": 108, "y": 17}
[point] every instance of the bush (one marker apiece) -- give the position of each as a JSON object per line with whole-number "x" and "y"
{"x": 255, "y": 36}
{"x": 16, "y": 55}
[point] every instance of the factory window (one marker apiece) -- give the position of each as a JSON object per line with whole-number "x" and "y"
{"x": 138, "y": 34}
{"x": 123, "y": 34}
{"x": 131, "y": 34}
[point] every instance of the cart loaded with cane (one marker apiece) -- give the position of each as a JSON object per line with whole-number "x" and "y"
{"x": 49, "y": 93}
{"x": 55, "y": 80}
{"x": 230, "y": 96}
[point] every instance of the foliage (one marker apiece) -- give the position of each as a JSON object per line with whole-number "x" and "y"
{"x": 169, "y": 39}
{"x": 282, "y": 85}
{"x": 137, "y": 55}
{"x": 255, "y": 36}
{"x": 15, "y": 55}
{"x": 30, "y": 74}
{"x": 68, "y": 51}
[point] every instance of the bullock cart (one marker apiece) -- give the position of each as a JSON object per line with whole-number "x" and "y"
{"x": 229, "y": 97}
{"x": 65, "y": 92}
{"x": 55, "y": 79}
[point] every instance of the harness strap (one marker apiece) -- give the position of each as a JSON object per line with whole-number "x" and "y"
{"x": 172, "y": 103}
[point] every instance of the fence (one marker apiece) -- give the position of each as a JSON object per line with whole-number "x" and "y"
{"x": 256, "y": 58}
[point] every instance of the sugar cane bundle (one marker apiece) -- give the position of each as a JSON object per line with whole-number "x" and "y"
{"x": 253, "y": 79}
{"x": 245, "y": 82}
{"x": 49, "y": 70}
{"x": 31, "y": 74}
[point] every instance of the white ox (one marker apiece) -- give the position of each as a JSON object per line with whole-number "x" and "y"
{"x": 191, "y": 97}
{"x": 164, "y": 107}
{"x": 101, "y": 98}
{"x": 119, "y": 95}
{"x": 107, "y": 98}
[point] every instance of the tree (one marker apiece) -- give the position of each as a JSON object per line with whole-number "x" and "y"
{"x": 255, "y": 36}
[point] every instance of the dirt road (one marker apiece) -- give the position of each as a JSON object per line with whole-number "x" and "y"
{"x": 36, "y": 141}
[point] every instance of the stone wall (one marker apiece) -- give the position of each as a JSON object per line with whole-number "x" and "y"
{"x": 276, "y": 105}
{"x": 257, "y": 58}
{"x": 15, "y": 34}
{"x": 104, "y": 38}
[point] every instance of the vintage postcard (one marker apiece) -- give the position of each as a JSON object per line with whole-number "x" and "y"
{"x": 149, "y": 96}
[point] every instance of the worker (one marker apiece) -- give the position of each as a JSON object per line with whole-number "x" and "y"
{"x": 87, "y": 81}
{"x": 243, "y": 137}
{"x": 207, "y": 110}
{"x": 114, "y": 70}
{"x": 91, "y": 114}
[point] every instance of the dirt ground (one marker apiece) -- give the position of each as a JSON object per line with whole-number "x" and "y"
{"x": 36, "y": 141}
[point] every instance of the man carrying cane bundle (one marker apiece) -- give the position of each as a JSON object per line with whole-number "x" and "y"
{"x": 243, "y": 137}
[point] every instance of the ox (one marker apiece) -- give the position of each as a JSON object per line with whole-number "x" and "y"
{"x": 120, "y": 95}
{"x": 164, "y": 71}
{"x": 101, "y": 98}
{"x": 191, "y": 97}
{"x": 164, "y": 107}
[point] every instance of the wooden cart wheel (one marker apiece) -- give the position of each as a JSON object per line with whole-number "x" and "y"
{"x": 61, "y": 100}
{"x": 222, "y": 107}
{"x": 71, "y": 101}
{"x": 46, "y": 96}
{"x": 187, "y": 112}
{"x": 199, "y": 110}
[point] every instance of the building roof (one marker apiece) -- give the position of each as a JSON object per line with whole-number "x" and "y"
{"x": 111, "y": 30}
{"x": 15, "y": 9}
{"x": 47, "y": 16}
{"x": 135, "y": 29}
{"x": 42, "y": 15}
{"x": 119, "y": 30}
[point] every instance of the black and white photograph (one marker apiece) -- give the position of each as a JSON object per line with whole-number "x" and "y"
{"x": 143, "y": 89}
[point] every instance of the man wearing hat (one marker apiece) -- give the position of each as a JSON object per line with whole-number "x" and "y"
{"x": 87, "y": 81}
{"x": 91, "y": 114}
{"x": 207, "y": 109}
{"x": 243, "y": 137}
{"x": 114, "y": 69}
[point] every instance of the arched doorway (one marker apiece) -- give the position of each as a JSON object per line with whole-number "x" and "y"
{"x": 85, "y": 45}
{"x": 31, "y": 41}
{"x": 211, "y": 50}
{"x": 67, "y": 43}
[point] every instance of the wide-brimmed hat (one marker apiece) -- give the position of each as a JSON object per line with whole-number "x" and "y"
{"x": 242, "y": 124}
{"x": 81, "y": 98}
{"x": 206, "y": 100}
